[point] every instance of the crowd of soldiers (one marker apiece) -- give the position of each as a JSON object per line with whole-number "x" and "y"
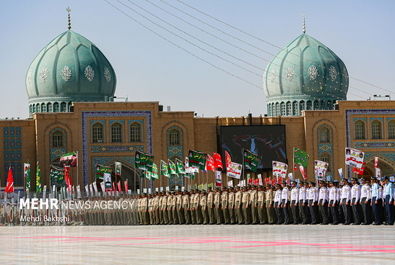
{"x": 288, "y": 203}
{"x": 330, "y": 203}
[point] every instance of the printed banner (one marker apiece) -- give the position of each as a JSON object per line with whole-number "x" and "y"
{"x": 234, "y": 170}
{"x": 280, "y": 169}
{"x": 100, "y": 170}
{"x": 354, "y": 157}
{"x": 118, "y": 168}
{"x": 320, "y": 168}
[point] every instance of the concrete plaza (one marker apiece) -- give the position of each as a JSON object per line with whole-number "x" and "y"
{"x": 188, "y": 244}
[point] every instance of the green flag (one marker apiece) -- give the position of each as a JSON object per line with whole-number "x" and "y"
{"x": 154, "y": 172}
{"x": 27, "y": 175}
{"x": 250, "y": 160}
{"x": 197, "y": 159}
{"x": 38, "y": 178}
{"x": 164, "y": 169}
{"x": 172, "y": 169}
{"x": 143, "y": 161}
{"x": 100, "y": 170}
{"x": 180, "y": 167}
{"x": 301, "y": 157}
{"x": 148, "y": 174}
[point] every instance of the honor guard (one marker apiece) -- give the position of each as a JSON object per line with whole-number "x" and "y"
{"x": 294, "y": 202}
{"x": 254, "y": 205}
{"x": 345, "y": 201}
{"x": 224, "y": 205}
{"x": 302, "y": 204}
{"x": 355, "y": 196}
{"x": 262, "y": 216}
{"x": 231, "y": 205}
{"x": 323, "y": 197}
{"x": 277, "y": 204}
{"x": 312, "y": 198}
{"x": 245, "y": 203}
{"x": 376, "y": 201}
{"x": 388, "y": 196}
{"x": 186, "y": 208}
{"x": 366, "y": 193}
{"x": 217, "y": 206}
{"x": 332, "y": 204}
{"x": 285, "y": 196}
{"x": 203, "y": 207}
{"x": 269, "y": 196}
{"x": 238, "y": 210}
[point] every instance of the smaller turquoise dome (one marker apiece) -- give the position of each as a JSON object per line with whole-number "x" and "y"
{"x": 69, "y": 69}
{"x": 306, "y": 75}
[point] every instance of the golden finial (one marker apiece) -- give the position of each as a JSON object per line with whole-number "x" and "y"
{"x": 68, "y": 9}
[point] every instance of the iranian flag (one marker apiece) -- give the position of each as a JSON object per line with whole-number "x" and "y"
{"x": 69, "y": 159}
{"x": 10, "y": 181}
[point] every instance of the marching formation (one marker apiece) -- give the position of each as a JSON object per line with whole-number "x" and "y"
{"x": 368, "y": 202}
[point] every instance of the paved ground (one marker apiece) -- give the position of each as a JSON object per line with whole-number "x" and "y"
{"x": 198, "y": 245}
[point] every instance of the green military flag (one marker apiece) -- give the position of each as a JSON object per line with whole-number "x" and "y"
{"x": 154, "y": 172}
{"x": 197, "y": 159}
{"x": 38, "y": 178}
{"x": 101, "y": 170}
{"x": 180, "y": 167}
{"x": 250, "y": 160}
{"x": 164, "y": 169}
{"x": 172, "y": 169}
{"x": 301, "y": 157}
{"x": 27, "y": 175}
{"x": 143, "y": 161}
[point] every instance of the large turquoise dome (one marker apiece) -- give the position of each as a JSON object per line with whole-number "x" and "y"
{"x": 306, "y": 75}
{"x": 69, "y": 69}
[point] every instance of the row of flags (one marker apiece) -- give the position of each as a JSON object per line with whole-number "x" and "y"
{"x": 195, "y": 161}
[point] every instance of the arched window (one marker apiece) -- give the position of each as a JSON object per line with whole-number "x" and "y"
{"x": 57, "y": 139}
{"x": 116, "y": 133}
{"x": 97, "y": 133}
{"x": 323, "y": 104}
{"x": 359, "y": 130}
{"x": 324, "y": 135}
{"x": 49, "y": 107}
{"x": 308, "y": 105}
{"x": 316, "y": 104}
{"x": 34, "y": 108}
{"x": 391, "y": 130}
{"x": 301, "y": 106}
{"x": 282, "y": 109}
{"x": 174, "y": 135}
{"x": 295, "y": 108}
{"x": 269, "y": 112}
{"x": 56, "y": 107}
{"x": 43, "y": 107}
{"x": 63, "y": 107}
{"x": 289, "y": 108}
{"x": 329, "y": 105}
{"x": 376, "y": 130}
{"x": 69, "y": 105}
{"x": 135, "y": 132}
{"x": 277, "y": 109}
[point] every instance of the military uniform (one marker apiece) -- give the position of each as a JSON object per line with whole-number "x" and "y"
{"x": 269, "y": 205}
{"x": 210, "y": 207}
{"x": 294, "y": 203}
{"x": 179, "y": 209}
{"x": 203, "y": 208}
{"x": 217, "y": 207}
{"x": 231, "y": 205}
{"x": 254, "y": 206}
{"x": 224, "y": 206}
{"x": 186, "y": 208}
{"x": 245, "y": 203}
{"x": 261, "y": 206}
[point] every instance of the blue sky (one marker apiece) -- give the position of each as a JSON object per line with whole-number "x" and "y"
{"x": 360, "y": 32}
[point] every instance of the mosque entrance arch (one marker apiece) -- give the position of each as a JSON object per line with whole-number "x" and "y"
{"x": 387, "y": 168}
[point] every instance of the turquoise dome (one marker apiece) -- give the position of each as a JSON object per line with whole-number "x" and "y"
{"x": 306, "y": 75}
{"x": 69, "y": 69}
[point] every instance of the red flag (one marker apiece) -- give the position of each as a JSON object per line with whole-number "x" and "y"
{"x": 67, "y": 177}
{"x": 279, "y": 180}
{"x": 126, "y": 185}
{"x": 228, "y": 160}
{"x": 358, "y": 171}
{"x": 113, "y": 187}
{"x": 119, "y": 186}
{"x": 217, "y": 161}
{"x": 256, "y": 182}
{"x": 10, "y": 182}
{"x": 210, "y": 163}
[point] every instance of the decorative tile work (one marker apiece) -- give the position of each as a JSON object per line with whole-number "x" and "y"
{"x": 102, "y": 122}
{"x": 116, "y": 148}
{"x": 359, "y": 119}
{"x": 325, "y": 148}
{"x": 132, "y": 121}
{"x": 368, "y": 155}
{"x": 175, "y": 151}
{"x": 125, "y": 114}
{"x": 374, "y": 144}
{"x": 12, "y": 153}
{"x": 375, "y": 118}
{"x": 56, "y": 152}
{"x": 117, "y": 121}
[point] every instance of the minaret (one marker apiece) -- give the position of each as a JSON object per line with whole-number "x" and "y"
{"x": 304, "y": 25}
